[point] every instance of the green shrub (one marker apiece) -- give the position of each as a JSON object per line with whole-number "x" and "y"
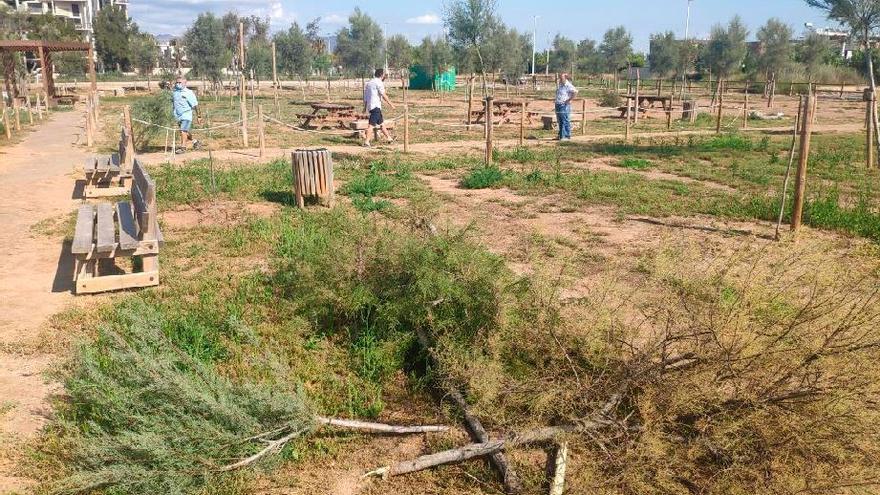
{"x": 482, "y": 177}
{"x": 154, "y": 108}
{"x": 143, "y": 415}
{"x": 635, "y": 163}
{"x": 610, "y": 98}
{"x": 363, "y": 188}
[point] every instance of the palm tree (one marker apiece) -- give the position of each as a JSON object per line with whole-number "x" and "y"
{"x": 862, "y": 17}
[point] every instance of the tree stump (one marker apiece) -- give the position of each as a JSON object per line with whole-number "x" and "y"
{"x": 313, "y": 176}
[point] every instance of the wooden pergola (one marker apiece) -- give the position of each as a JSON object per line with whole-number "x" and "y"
{"x": 44, "y": 49}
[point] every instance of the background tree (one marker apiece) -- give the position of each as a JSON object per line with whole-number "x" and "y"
{"x": 294, "y": 52}
{"x": 863, "y": 18}
{"x": 321, "y": 60}
{"x": 434, "y": 56}
{"x": 144, "y": 54}
{"x": 113, "y": 32}
{"x": 563, "y": 55}
{"x": 400, "y": 52}
{"x": 813, "y": 53}
{"x": 775, "y": 52}
{"x": 727, "y": 48}
{"x": 504, "y": 52}
{"x": 359, "y": 45}
{"x": 589, "y": 60}
{"x": 205, "y": 47}
{"x": 665, "y": 54}
{"x": 470, "y": 24}
{"x": 615, "y": 49}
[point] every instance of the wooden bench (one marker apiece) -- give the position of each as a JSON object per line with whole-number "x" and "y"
{"x": 106, "y": 231}
{"x": 106, "y": 175}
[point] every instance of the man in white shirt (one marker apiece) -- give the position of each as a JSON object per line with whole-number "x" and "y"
{"x": 374, "y": 95}
{"x": 564, "y": 94}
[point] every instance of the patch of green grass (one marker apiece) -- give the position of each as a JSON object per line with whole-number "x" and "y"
{"x": 635, "y": 163}
{"x": 482, "y": 177}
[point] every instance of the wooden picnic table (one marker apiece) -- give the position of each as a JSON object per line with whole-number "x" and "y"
{"x": 503, "y": 112}
{"x": 330, "y": 115}
{"x": 650, "y": 100}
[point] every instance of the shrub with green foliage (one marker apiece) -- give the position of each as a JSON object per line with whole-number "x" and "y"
{"x": 145, "y": 414}
{"x": 610, "y": 98}
{"x": 482, "y": 177}
{"x": 635, "y": 163}
{"x": 154, "y": 108}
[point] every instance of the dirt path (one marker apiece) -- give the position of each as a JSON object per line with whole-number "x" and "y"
{"x": 36, "y": 183}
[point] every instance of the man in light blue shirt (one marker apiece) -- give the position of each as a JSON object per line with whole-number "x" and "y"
{"x": 564, "y": 94}
{"x": 184, "y": 102}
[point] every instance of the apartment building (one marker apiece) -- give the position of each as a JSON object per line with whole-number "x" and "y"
{"x": 81, "y": 12}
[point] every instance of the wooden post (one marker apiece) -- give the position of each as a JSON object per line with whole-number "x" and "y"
{"x": 129, "y": 138}
{"x": 800, "y": 180}
{"x": 668, "y": 108}
{"x": 274, "y": 68}
{"x": 470, "y": 105}
{"x": 489, "y": 118}
{"x": 244, "y": 114}
{"x": 584, "y": 117}
{"x": 522, "y": 124}
{"x": 17, "y": 110}
{"x": 720, "y": 106}
{"x": 7, "y": 125}
{"x": 636, "y": 104}
{"x": 30, "y": 110}
{"x": 626, "y": 126}
{"x": 39, "y": 108}
{"x": 405, "y": 120}
{"x": 89, "y": 130}
{"x": 745, "y": 124}
{"x": 91, "y": 64}
{"x": 261, "y": 130}
{"x": 869, "y": 143}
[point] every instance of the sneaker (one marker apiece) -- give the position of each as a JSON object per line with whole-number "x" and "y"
{"x": 367, "y": 145}
{"x": 180, "y": 151}
{"x": 197, "y": 145}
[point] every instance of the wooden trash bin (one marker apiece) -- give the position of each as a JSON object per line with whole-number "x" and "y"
{"x": 313, "y": 176}
{"x": 689, "y": 110}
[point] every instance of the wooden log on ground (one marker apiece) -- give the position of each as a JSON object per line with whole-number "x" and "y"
{"x": 557, "y": 485}
{"x": 379, "y": 427}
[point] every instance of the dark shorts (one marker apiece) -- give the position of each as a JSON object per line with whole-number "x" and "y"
{"x": 376, "y": 117}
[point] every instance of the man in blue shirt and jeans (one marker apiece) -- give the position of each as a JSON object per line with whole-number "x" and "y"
{"x": 183, "y": 102}
{"x": 564, "y": 94}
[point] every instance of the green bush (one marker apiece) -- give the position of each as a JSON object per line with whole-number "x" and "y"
{"x": 610, "y": 98}
{"x": 482, "y": 177}
{"x": 156, "y": 109}
{"x": 635, "y": 163}
{"x": 144, "y": 415}
{"x": 363, "y": 188}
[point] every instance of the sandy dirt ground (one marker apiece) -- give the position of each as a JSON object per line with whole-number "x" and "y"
{"x": 36, "y": 183}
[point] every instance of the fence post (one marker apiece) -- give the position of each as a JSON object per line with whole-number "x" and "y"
{"x": 720, "y": 106}
{"x": 800, "y": 180}
{"x": 16, "y": 109}
{"x": 243, "y": 112}
{"x": 489, "y": 118}
{"x": 405, "y": 120}
{"x": 6, "y": 124}
{"x": 522, "y": 123}
{"x": 470, "y": 105}
{"x": 584, "y": 117}
{"x": 869, "y": 142}
{"x": 261, "y": 130}
{"x": 89, "y": 130}
{"x": 638, "y": 87}
{"x": 746, "y": 110}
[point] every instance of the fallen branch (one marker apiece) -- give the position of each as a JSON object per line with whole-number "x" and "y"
{"x": 532, "y": 437}
{"x": 274, "y": 446}
{"x": 379, "y": 427}
{"x": 557, "y": 486}
{"x": 512, "y": 483}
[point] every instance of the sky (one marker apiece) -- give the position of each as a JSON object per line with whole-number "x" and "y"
{"x": 576, "y": 19}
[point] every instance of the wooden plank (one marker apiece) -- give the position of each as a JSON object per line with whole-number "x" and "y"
{"x": 128, "y": 231}
{"x": 85, "y": 229}
{"x": 319, "y": 170}
{"x": 105, "y": 231}
{"x": 143, "y": 182}
{"x": 297, "y": 181}
{"x": 117, "y": 282}
{"x": 103, "y": 164}
{"x": 313, "y": 187}
{"x": 105, "y": 192}
{"x": 142, "y": 214}
{"x": 90, "y": 164}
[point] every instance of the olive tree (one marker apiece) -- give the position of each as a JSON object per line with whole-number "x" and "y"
{"x": 775, "y": 52}
{"x": 359, "y": 45}
{"x": 470, "y": 25}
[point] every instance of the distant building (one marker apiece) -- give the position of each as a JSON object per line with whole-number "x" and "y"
{"x": 81, "y": 12}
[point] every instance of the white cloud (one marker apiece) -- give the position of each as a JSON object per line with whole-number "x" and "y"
{"x": 428, "y": 18}
{"x": 333, "y": 19}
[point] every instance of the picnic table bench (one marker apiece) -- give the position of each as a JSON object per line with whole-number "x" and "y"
{"x": 106, "y": 231}
{"x": 651, "y": 100}
{"x": 549, "y": 121}
{"x": 503, "y": 112}
{"x": 362, "y": 125}
{"x": 627, "y": 110}
{"x": 106, "y": 175}
{"x": 327, "y": 115}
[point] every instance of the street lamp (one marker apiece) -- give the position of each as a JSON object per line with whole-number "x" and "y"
{"x": 687, "y": 24}
{"x": 534, "y": 43}
{"x": 549, "y": 45}
{"x": 385, "y": 40}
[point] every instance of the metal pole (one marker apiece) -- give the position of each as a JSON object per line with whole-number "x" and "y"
{"x": 534, "y": 43}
